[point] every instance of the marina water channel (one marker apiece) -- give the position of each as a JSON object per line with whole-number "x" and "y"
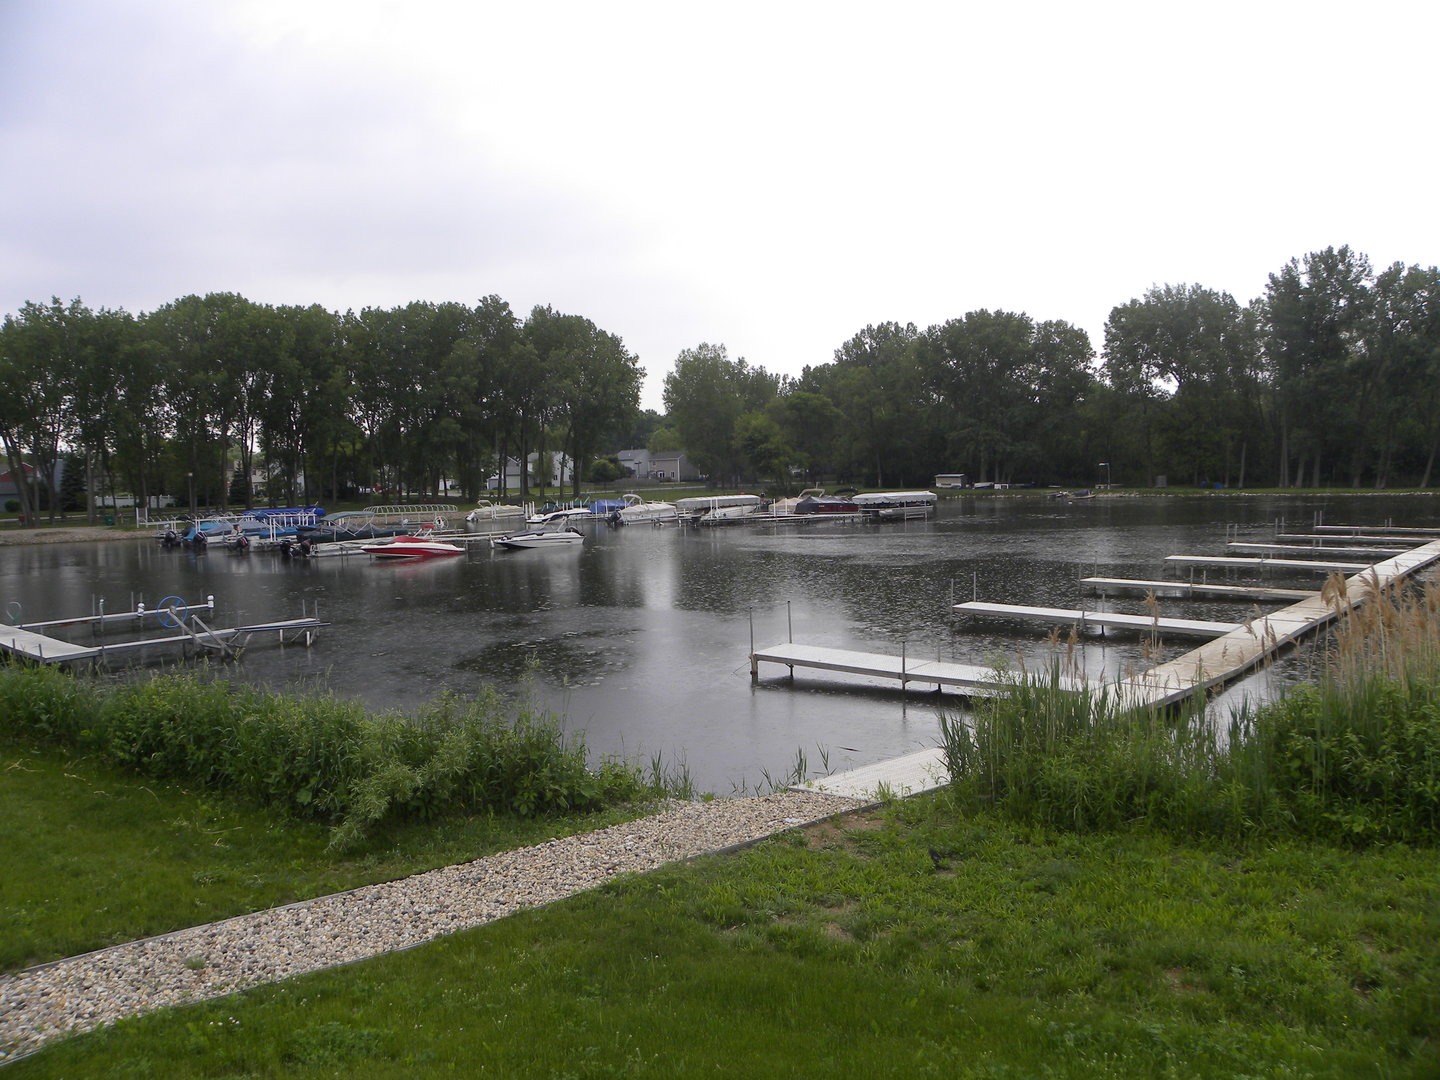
{"x": 640, "y": 637}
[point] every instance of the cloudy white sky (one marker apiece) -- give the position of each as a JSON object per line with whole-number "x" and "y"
{"x": 770, "y": 176}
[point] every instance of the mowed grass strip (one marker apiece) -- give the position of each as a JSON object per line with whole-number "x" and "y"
{"x": 92, "y": 856}
{"x": 912, "y": 941}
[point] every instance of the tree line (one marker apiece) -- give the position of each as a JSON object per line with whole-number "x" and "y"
{"x": 175, "y": 400}
{"x": 1331, "y": 378}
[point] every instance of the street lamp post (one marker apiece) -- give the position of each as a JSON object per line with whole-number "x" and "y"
{"x": 1106, "y": 466}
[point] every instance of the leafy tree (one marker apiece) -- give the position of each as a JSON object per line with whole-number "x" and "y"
{"x": 975, "y": 366}
{"x": 595, "y": 382}
{"x": 811, "y": 422}
{"x": 876, "y": 388}
{"x": 604, "y": 470}
{"x": 40, "y": 358}
{"x": 763, "y": 448}
{"x": 705, "y": 396}
{"x": 664, "y": 439}
{"x": 647, "y": 422}
{"x": 1318, "y": 313}
{"x": 1188, "y": 358}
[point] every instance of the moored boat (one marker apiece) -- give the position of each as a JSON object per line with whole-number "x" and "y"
{"x": 825, "y": 504}
{"x": 716, "y": 508}
{"x": 564, "y": 514}
{"x": 492, "y": 513}
{"x": 539, "y": 538}
{"x": 411, "y": 547}
{"x": 896, "y": 505}
{"x": 634, "y": 509}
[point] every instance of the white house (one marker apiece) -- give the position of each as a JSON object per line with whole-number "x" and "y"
{"x": 562, "y": 471}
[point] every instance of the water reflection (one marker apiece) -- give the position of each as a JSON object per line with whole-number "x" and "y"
{"x": 641, "y": 635}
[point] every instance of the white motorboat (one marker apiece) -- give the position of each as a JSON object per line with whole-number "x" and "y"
{"x": 539, "y": 538}
{"x": 564, "y": 514}
{"x": 636, "y": 509}
{"x": 411, "y": 547}
{"x": 492, "y": 513}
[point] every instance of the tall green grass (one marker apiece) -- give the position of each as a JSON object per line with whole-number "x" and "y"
{"x": 1354, "y": 758}
{"x": 317, "y": 757}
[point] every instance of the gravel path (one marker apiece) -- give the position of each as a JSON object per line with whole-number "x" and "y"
{"x": 84, "y": 992}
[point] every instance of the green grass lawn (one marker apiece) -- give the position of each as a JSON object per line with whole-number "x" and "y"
{"x": 907, "y": 942}
{"x": 90, "y": 856}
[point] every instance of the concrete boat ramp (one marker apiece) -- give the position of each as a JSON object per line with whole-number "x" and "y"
{"x": 1233, "y": 650}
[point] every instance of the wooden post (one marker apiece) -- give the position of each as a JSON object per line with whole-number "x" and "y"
{"x": 754, "y": 666}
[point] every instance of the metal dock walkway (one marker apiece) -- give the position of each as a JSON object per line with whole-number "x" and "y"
{"x": 1105, "y": 585}
{"x": 1374, "y": 554}
{"x": 936, "y": 673}
{"x": 18, "y": 641}
{"x": 1231, "y": 654}
{"x": 189, "y": 631}
{"x": 1322, "y": 566}
{"x": 1103, "y": 619}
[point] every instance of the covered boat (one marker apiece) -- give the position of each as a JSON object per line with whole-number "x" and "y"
{"x": 633, "y": 509}
{"x": 896, "y": 505}
{"x": 825, "y": 504}
{"x": 717, "y": 507}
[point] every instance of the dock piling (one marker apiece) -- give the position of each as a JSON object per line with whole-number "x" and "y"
{"x": 754, "y": 664}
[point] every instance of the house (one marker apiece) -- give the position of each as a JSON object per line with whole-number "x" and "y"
{"x": 668, "y": 465}
{"x": 8, "y": 490}
{"x": 636, "y": 463}
{"x": 562, "y": 471}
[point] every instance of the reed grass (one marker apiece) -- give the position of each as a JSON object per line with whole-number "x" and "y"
{"x": 1354, "y": 758}
{"x": 319, "y": 758}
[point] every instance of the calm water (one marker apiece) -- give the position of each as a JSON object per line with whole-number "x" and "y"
{"x": 640, "y": 637}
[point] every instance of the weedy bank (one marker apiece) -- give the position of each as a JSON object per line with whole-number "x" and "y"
{"x": 135, "y": 809}
{"x": 1098, "y": 895}
{"x": 1353, "y": 759}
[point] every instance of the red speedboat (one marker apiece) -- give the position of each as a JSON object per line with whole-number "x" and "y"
{"x": 411, "y": 547}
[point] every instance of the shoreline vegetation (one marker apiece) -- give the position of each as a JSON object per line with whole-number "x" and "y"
{"x": 1096, "y": 894}
{"x": 68, "y": 530}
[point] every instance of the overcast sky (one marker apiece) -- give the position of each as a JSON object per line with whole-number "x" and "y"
{"x": 768, "y": 176}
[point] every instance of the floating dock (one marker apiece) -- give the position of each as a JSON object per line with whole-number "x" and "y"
{"x": 1153, "y": 624}
{"x": 1106, "y": 585}
{"x": 937, "y": 673}
{"x": 1398, "y": 530}
{"x": 1235, "y": 651}
{"x": 1323, "y": 566}
{"x": 26, "y": 642}
{"x": 1373, "y": 553}
{"x": 1216, "y": 662}
{"x": 1226, "y": 658}
{"x": 1323, "y": 540}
